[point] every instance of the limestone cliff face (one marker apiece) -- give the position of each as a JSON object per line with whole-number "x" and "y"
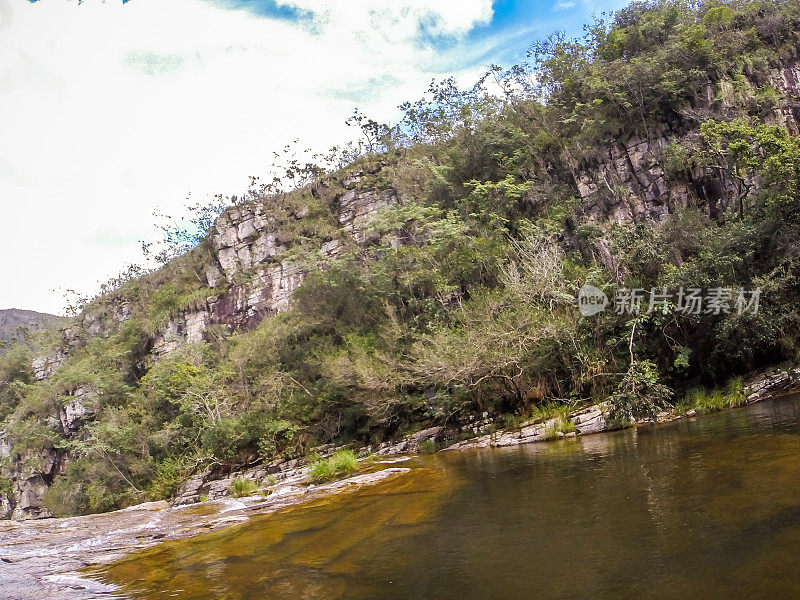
{"x": 30, "y": 476}
{"x": 31, "y": 473}
{"x": 787, "y": 79}
{"x": 247, "y": 241}
{"x": 251, "y": 269}
{"x": 629, "y": 182}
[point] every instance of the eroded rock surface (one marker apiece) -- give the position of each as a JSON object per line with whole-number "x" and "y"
{"x": 627, "y": 181}
{"x": 246, "y": 240}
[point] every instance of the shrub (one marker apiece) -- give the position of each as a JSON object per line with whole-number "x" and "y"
{"x": 168, "y": 477}
{"x": 6, "y": 485}
{"x": 511, "y": 421}
{"x": 427, "y": 447}
{"x": 639, "y": 395}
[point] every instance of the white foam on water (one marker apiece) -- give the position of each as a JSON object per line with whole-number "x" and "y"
{"x": 73, "y": 580}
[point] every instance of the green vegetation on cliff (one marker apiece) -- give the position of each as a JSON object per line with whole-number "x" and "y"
{"x": 461, "y": 297}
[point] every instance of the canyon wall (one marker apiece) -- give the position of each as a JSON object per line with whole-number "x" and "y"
{"x": 255, "y": 275}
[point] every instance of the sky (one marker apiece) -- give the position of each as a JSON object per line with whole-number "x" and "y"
{"x": 111, "y": 110}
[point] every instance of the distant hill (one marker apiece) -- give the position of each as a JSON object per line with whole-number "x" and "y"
{"x": 12, "y": 319}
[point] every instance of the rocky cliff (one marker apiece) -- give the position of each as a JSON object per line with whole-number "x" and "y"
{"x": 630, "y": 181}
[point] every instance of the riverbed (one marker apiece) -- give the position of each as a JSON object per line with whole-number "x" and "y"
{"x": 705, "y": 508}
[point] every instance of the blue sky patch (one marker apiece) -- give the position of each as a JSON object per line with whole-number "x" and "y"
{"x": 516, "y": 24}
{"x": 267, "y": 8}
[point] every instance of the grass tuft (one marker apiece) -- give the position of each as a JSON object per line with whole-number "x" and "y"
{"x": 341, "y": 464}
{"x": 427, "y": 447}
{"x": 344, "y": 462}
{"x": 562, "y": 425}
{"x": 705, "y": 401}
{"x": 241, "y": 487}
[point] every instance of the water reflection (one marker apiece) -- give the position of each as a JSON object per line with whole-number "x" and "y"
{"x": 706, "y": 508}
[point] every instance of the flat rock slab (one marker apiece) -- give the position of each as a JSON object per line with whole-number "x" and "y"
{"x": 41, "y": 560}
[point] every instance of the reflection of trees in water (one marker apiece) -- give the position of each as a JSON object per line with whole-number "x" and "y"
{"x": 700, "y": 508}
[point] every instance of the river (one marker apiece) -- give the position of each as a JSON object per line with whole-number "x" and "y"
{"x": 700, "y": 508}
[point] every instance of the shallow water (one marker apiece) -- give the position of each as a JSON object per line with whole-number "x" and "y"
{"x": 705, "y": 508}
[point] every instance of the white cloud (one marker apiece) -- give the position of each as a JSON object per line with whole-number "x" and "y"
{"x": 109, "y": 111}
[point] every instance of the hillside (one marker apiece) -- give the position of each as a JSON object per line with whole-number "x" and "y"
{"x": 435, "y": 278}
{"x": 14, "y": 323}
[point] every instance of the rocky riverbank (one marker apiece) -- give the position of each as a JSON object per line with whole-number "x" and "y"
{"x": 482, "y": 432}
{"x": 41, "y": 558}
{"x": 759, "y": 386}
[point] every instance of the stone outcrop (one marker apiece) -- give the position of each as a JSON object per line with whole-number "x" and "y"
{"x": 358, "y": 209}
{"x": 77, "y": 405}
{"x": 767, "y": 384}
{"x": 44, "y": 366}
{"x": 204, "y": 486}
{"x": 241, "y": 307}
{"x": 73, "y": 336}
{"x": 628, "y": 181}
{"x": 31, "y": 473}
{"x": 246, "y": 245}
{"x": 586, "y": 421}
{"x": 787, "y": 79}
{"x": 629, "y": 184}
{"x": 30, "y": 479}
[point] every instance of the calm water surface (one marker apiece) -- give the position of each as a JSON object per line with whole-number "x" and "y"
{"x": 699, "y": 509}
